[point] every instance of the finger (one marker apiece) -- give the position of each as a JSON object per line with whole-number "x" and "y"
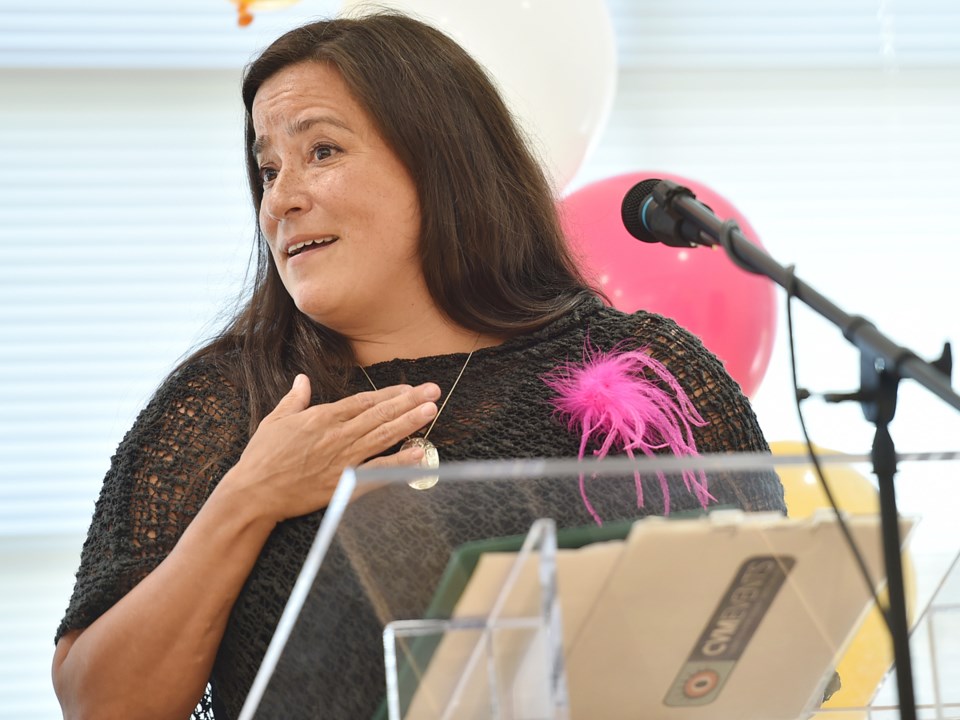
{"x": 349, "y": 407}
{"x": 420, "y": 398}
{"x": 296, "y": 400}
{"x": 379, "y": 434}
{"x": 365, "y": 412}
{"x": 373, "y": 412}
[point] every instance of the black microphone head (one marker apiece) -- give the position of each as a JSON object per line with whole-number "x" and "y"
{"x": 630, "y": 209}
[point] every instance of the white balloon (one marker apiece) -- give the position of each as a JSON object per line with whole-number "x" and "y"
{"x": 553, "y": 60}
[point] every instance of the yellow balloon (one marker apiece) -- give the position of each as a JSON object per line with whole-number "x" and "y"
{"x": 870, "y": 654}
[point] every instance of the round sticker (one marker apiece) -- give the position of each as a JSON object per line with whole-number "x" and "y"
{"x": 701, "y": 684}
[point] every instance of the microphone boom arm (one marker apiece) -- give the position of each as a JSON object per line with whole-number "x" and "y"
{"x": 857, "y": 329}
{"x": 882, "y": 364}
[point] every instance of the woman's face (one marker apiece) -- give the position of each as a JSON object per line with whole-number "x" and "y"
{"x": 339, "y": 210}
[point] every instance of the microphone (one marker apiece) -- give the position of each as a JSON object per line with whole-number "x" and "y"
{"x": 650, "y": 212}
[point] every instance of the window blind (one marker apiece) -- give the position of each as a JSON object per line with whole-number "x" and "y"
{"x": 691, "y": 34}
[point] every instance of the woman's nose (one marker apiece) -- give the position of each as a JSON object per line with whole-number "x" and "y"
{"x": 286, "y": 195}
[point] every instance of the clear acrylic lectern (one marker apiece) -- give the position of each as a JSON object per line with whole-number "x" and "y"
{"x": 498, "y": 594}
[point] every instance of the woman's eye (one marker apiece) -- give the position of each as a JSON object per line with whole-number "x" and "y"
{"x": 267, "y": 175}
{"x": 322, "y": 152}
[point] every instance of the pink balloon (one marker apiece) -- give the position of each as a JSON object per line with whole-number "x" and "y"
{"x": 729, "y": 309}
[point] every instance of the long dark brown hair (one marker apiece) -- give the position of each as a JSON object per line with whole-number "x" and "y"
{"x": 493, "y": 254}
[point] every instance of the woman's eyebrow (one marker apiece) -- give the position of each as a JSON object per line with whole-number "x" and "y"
{"x": 262, "y": 143}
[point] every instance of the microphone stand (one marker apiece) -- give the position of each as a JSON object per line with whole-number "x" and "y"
{"x": 882, "y": 364}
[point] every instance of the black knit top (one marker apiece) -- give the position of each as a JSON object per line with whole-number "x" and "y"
{"x": 195, "y": 427}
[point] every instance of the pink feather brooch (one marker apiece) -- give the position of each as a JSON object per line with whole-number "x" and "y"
{"x": 611, "y": 398}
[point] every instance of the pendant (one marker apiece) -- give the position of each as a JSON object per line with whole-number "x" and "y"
{"x": 430, "y": 461}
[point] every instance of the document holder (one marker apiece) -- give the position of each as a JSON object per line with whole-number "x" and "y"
{"x": 497, "y": 594}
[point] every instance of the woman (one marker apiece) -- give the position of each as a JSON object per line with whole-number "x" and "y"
{"x": 409, "y": 252}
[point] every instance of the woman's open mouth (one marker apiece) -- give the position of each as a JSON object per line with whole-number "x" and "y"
{"x": 308, "y": 245}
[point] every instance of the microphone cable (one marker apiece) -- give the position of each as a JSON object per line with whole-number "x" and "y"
{"x": 790, "y": 287}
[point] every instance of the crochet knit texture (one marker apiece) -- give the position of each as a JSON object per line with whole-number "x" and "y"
{"x": 195, "y": 427}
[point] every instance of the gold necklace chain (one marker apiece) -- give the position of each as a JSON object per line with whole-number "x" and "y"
{"x": 431, "y": 456}
{"x": 452, "y": 387}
